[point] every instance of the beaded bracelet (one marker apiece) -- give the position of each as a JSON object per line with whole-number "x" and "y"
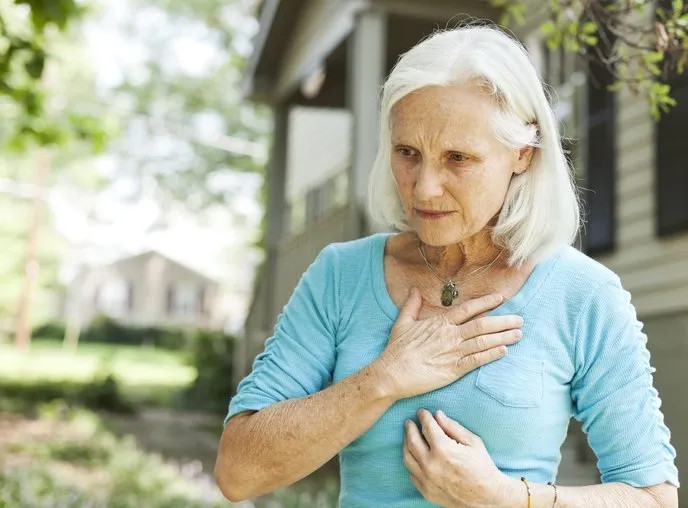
{"x": 523, "y": 479}
{"x": 555, "y": 493}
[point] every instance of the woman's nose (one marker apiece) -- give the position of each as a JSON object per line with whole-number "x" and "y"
{"x": 429, "y": 183}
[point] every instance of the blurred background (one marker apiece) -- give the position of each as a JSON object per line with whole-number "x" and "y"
{"x": 169, "y": 168}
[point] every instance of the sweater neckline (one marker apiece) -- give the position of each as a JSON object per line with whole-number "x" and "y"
{"x": 513, "y": 305}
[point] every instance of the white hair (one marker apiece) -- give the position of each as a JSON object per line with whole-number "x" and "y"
{"x": 541, "y": 210}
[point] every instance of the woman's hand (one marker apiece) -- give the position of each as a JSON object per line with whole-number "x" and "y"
{"x": 451, "y": 466}
{"x": 423, "y": 355}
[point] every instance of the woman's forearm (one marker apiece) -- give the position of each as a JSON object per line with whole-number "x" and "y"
{"x": 282, "y": 443}
{"x": 611, "y": 495}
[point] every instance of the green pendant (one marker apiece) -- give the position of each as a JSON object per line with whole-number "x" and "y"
{"x": 449, "y": 293}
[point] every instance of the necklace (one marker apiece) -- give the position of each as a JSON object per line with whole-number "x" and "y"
{"x": 449, "y": 290}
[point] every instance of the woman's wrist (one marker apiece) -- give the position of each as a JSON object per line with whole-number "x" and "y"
{"x": 513, "y": 493}
{"x": 379, "y": 381}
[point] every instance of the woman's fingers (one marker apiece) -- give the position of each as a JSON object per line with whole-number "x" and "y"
{"x": 472, "y": 308}
{"x": 411, "y": 462}
{"x": 455, "y": 430}
{"x": 416, "y": 480}
{"x": 489, "y": 324}
{"x": 485, "y": 342}
{"x": 434, "y": 435}
{"x": 409, "y": 312}
{"x": 415, "y": 442}
{"x": 470, "y": 362}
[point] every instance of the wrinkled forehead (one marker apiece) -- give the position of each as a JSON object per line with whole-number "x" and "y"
{"x": 444, "y": 113}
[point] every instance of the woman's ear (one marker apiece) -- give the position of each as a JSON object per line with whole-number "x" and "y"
{"x": 525, "y": 155}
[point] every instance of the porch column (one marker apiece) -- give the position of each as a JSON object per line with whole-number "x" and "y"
{"x": 253, "y": 340}
{"x": 365, "y": 74}
{"x": 276, "y": 176}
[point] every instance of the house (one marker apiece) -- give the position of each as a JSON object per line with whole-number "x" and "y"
{"x": 319, "y": 65}
{"x": 148, "y": 289}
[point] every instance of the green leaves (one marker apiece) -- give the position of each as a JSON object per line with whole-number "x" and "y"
{"x": 24, "y": 44}
{"x": 51, "y": 12}
{"x": 34, "y": 67}
{"x": 642, "y": 57}
{"x": 677, "y": 6}
{"x": 660, "y": 99}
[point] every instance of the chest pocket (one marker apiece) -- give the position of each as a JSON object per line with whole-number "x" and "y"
{"x": 513, "y": 380}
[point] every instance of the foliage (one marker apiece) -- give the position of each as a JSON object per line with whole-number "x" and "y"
{"x": 107, "y": 330}
{"x": 100, "y": 394}
{"x": 212, "y": 358}
{"x": 29, "y": 30}
{"x": 49, "y": 330}
{"x": 209, "y": 353}
{"x": 198, "y": 113}
{"x": 52, "y": 107}
{"x": 103, "y": 470}
{"x": 642, "y": 54}
{"x": 95, "y": 375}
{"x": 85, "y": 465}
{"x": 75, "y": 461}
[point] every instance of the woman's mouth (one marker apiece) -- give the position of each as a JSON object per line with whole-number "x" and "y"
{"x": 431, "y": 214}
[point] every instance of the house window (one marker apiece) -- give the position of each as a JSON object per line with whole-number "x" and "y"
{"x": 600, "y": 162}
{"x": 564, "y": 72}
{"x": 340, "y": 184}
{"x": 182, "y": 299}
{"x": 326, "y": 196}
{"x": 201, "y": 303}
{"x": 316, "y": 203}
{"x": 114, "y": 298}
{"x": 600, "y": 153}
{"x": 295, "y": 215}
{"x": 671, "y": 156}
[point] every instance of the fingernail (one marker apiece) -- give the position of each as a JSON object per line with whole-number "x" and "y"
{"x": 441, "y": 414}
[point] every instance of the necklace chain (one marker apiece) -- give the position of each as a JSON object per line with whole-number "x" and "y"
{"x": 448, "y": 280}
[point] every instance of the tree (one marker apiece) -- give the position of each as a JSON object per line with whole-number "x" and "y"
{"x": 200, "y": 127}
{"x": 26, "y": 29}
{"x": 40, "y": 88}
{"x": 641, "y": 53}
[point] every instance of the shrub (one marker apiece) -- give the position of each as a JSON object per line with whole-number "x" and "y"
{"x": 212, "y": 356}
{"x": 104, "y": 329}
{"x": 110, "y": 471}
{"x": 103, "y": 393}
{"x": 49, "y": 330}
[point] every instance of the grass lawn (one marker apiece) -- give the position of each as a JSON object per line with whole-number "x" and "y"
{"x": 59, "y": 448}
{"x": 144, "y": 374}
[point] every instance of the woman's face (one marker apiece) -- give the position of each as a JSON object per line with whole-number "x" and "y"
{"x": 446, "y": 158}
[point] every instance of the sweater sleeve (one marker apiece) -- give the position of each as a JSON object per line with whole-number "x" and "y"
{"x": 613, "y": 394}
{"x": 298, "y": 359}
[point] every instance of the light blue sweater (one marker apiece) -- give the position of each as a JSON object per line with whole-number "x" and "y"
{"x": 582, "y": 354}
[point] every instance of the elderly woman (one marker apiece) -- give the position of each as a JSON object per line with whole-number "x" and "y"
{"x": 443, "y": 362}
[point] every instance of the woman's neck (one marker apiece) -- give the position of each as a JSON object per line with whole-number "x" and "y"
{"x": 463, "y": 257}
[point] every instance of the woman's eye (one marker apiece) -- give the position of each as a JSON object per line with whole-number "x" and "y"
{"x": 457, "y": 157}
{"x": 406, "y": 152}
